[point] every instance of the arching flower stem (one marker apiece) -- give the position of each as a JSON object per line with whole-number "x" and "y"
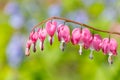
{"x": 75, "y": 22}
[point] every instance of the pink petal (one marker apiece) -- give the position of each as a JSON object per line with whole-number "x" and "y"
{"x": 86, "y": 37}
{"x": 51, "y": 28}
{"x": 28, "y": 44}
{"x": 96, "y": 42}
{"x": 76, "y": 36}
{"x": 105, "y": 45}
{"x": 34, "y": 37}
{"x": 42, "y": 33}
{"x": 64, "y": 33}
{"x": 113, "y": 46}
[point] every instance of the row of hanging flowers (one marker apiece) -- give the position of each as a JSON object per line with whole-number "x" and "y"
{"x": 79, "y": 36}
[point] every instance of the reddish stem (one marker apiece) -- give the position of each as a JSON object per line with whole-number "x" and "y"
{"x": 75, "y": 22}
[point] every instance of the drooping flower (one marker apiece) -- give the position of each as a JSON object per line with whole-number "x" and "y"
{"x": 76, "y": 36}
{"x": 34, "y": 36}
{"x": 51, "y": 28}
{"x": 42, "y": 35}
{"x": 86, "y": 37}
{"x": 81, "y": 37}
{"x": 109, "y": 46}
{"x": 95, "y": 44}
{"x": 113, "y": 47}
{"x": 63, "y": 35}
{"x": 28, "y": 45}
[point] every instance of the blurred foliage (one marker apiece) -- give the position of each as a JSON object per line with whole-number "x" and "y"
{"x": 96, "y": 9}
{"x": 52, "y": 63}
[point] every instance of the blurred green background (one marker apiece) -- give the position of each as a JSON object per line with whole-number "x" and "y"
{"x": 17, "y": 17}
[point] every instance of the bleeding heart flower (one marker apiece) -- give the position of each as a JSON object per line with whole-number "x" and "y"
{"x": 28, "y": 45}
{"x": 86, "y": 37}
{"x": 51, "y": 28}
{"x": 76, "y": 36}
{"x": 63, "y": 35}
{"x": 34, "y": 37}
{"x": 113, "y": 47}
{"x": 82, "y": 37}
{"x": 109, "y": 46}
{"x": 42, "y": 35}
{"x": 95, "y": 44}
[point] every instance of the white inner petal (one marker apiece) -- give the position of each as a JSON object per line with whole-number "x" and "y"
{"x": 80, "y": 50}
{"x": 91, "y": 53}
